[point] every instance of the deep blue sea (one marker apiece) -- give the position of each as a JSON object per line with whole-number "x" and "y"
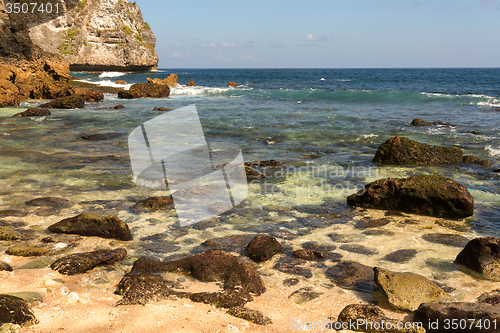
{"x": 324, "y": 125}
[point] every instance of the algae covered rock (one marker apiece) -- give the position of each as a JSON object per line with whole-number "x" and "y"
{"x": 482, "y": 255}
{"x": 406, "y": 291}
{"x": 68, "y": 102}
{"x": 33, "y": 112}
{"x": 87, "y": 224}
{"x": 253, "y": 316}
{"x": 402, "y": 151}
{"x": 16, "y": 310}
{"x": 352, "y": 275}
{"x": 262, "y": 248}
{"x": 81, "y": 262}
{"x": 425, "y": 195}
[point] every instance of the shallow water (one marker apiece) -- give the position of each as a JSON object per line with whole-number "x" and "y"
{"x": 326, "y": 134}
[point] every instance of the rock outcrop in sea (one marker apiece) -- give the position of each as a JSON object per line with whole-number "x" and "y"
{"x": 99, "y": 35}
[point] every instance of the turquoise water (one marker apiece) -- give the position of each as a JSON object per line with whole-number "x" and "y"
{"x": 325, "y": 125}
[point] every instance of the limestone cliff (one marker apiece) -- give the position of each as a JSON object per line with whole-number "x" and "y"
{"x": 98, "y": 35}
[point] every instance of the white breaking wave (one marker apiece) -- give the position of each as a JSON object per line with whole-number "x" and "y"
{"x": 108, "y": 83}
{"x": 198, "y": 90}
{"x": 111, "y": 74}
{"x": 488, "y": 101}
{"x": 492, "y": 151}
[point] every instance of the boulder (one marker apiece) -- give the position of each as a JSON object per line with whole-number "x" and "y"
{"x": 50, "y": 202}
{"x": 68, "y": 102}
{"x": 191, "y": 84}
{"x": 262, "y": 248}
{"x": 352, "y": 275}
{"x": 22, "y": 250}
{"x": 403, "y": 151}
{"x": 118, "y": 107}
{"x": 425, "y": 195}
{"x": 155, "y": 203}
{"x": 420, "y": 122}
{"x": 5, "y": 266}
{"x": 16, "y": 310}
{"x": 120, "y": 82}
{"x": 160, "y": 109}
{"x": 232, "y": 84}
{"x": 141, "y": 90}
{"x": 170, "y": 81}
{"x": 82, "y": 262}
{"x": 33, "y": 112}
{"x": 406, "y": 291}
{"x": 457, "y": 317}
{"x": 469, "y": 159}
{"x": 87, "y": 224}
{"x": 371, "y": 318}
{"x": 253, "y": 316}
{"x": 482, "y": 255}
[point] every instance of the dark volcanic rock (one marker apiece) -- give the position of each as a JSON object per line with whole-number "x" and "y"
{"x": 5, "y": 266}
{"x": 355, "y": 313}
{"x": 442, "y": 313}
{"x": 406, "y": 291}
{"x": 191, "y": 84}
{"x": 469, "y": 159}
{"x": 81, "y": 262}
{"x": 352, "y": 275}
{"x": 68, "y": 102}
{"x": 140, "y": 90}
{"x": 240, "y": 280}
{"x": 235, "y": 243}
{"x": 401, "y": 151}
{"x": 253, "y": 316}
{"x": 425, "y": 195}
{"x": 118, "y": 107}
{"x": 50, "y": 202}
{"x": 476, "y": 132}
{"x": 482, "y": 255}
{"x": 420, "y": 122}
{"x": 87, "y": 224}
{"x": 308, "y": 255}
{"x": 16, "y": 310}
{"x": 33, "y": 112}
{"x": 446, "y": 239}
{"x": 401, "y": 256}
{"x": 262, "y": 248}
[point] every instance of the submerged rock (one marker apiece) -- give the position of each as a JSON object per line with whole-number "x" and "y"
{"x": 9, "y": 233}
{"x": 155, "y": 203}
{"x": 253, "y": 316}
{"x": 469, "y": 159}
{"x": 401, "y": 256}
{"x": 446, "y": 239}
{"x": 406, "y": 291}
{"x": 50, "y": 202}
{"x": 141, "y": 90}
{"x": 33, "y": 112}
{"x": 402, "y": 151}
{"x": 492, "y": 297}
{"x": 87, "y": 224}
{"x": 304, "y": 295}
{"x": 68, "y": 102}
{"x": 81, "y": 262}
{"x": 425, "y": 195}
{"x": 5, "y": 266}
{"x": 308, "y": 255}
{"x": 420, "y": 122}
{"x": 16, "y": 310}
{"x": 441, "y": 315}
{"x": 372, "y": 319}
{"x": 482, "y": 255}
{"x": 262, "y": 248}
{"x": 27, "y": 251}
{"x": 352, "y": 275}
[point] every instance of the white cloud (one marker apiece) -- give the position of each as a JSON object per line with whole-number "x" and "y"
{"x": 230, "y": 45}
{"x": 248, "y": 57}
{"x": 220, "y": 57}
{"x": 310, "y": 37}
{"x": 176, "y": 55}
{"x": 490, "y": 4}
{"x": 217, "y": 45}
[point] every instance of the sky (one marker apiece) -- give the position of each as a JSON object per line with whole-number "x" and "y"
{"x": 325, "y": 33}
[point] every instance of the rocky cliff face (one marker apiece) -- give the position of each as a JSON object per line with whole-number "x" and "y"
{"x": 98, "y": 35}
{"x": 26, "y": 71}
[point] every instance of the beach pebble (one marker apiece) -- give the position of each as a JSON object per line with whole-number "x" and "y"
{"x": 72, "y": 298}
{"x": 63, "y": 290}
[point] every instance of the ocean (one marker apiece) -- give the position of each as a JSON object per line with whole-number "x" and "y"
{"x": 324, "y": 125}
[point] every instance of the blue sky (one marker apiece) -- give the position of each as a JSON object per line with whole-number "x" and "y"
{"x": 325, "y": 34}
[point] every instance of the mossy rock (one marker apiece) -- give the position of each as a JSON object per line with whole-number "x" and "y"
{"x": 27, "y": 251}
{"x": 8, "y": 234}
{"x": 81, "y": 262}
{"x": 37, "y": 263}
{"x": 253, "y": 316}
{"x": 424, "y": 195}
{"x": 16, "y": 310}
